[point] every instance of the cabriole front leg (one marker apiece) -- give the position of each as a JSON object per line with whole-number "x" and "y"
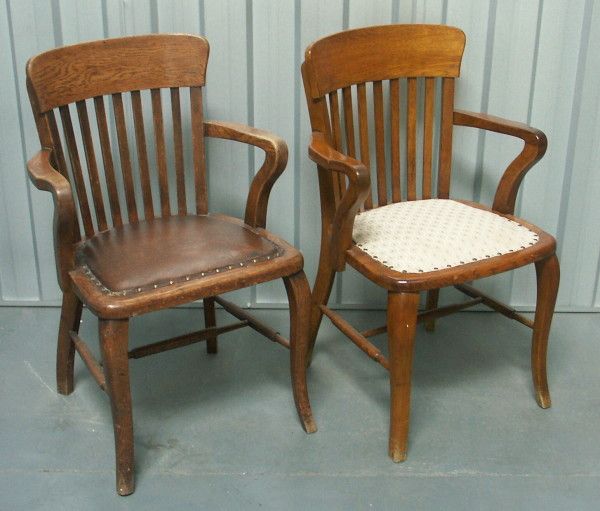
{"x": 298, "y": 293}
{"x": 548, "y": 276}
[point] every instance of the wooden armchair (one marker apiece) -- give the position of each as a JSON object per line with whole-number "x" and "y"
{"x": 126, "y": 250}
{"x": 409, "y": 236}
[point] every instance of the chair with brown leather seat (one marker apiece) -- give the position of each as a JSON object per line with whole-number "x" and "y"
{"x": 410, "y": 236}
{"x": 126, "y": 250}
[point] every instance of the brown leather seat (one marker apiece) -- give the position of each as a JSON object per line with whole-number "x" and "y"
{"x": 169, "y": 261}
{"x": 165, "y": 251}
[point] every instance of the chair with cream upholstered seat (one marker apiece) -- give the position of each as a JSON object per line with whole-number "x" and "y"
{"x": 397, "y": 224}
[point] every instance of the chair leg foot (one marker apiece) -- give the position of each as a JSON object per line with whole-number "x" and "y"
{"x": 431, "y": 303}
{"x": 298, "y": 293}
{"x": 210, "y": 321}
{"x": 70, "y": 315}
{"x": 548, "y": 276}
{"x": 543, "y": 399}
{"x": 397, "y": 454}
{"x": 401, "y": 324}
{"x": 125, "y": 485}
{"x": 113, "y": 343}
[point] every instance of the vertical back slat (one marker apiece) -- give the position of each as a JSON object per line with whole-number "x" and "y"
{"x": 84, "y": 207}
{"x": 142, "y": 152}
{"x": 349, "y": 121}
{"x": 334, "y": 116}
{"x": 395, "y": 138}
{"x": 107, "y": 160}
{"x": 178, "y": 146}
{"x": 90, "y": 158}
{"x": 411, "y": 139}
{"x": 119, "y": 112}
{"x": 58, "y": 153}
{"x": 199, "y": 151}
{"x": 445, "y": 159}
{"x": 161, "y": 154}
{"x": 380, "y": 144}
{"x": 428, "y": 136}
{"x": 363, "y": 127}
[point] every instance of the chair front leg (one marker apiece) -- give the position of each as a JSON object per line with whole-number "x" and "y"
{"x": 548, "y": 276}
{"x": 298, "y": 293}
{"x": 208, "y": 304}
{"x": 113, "y": 344}
{"x": 401, "y": 327}
{"x": 70, "y": 316}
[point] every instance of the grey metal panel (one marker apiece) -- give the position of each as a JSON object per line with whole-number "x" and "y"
{"x": 317, "y": 18}
{"x": 276, "y": 76}
{"x": 530, "y": 61}
{"x": 580, "y": 214}
{"x": 553, "y": 96}
{"x": 18, "y": 268}
{"x": 228, "y": 98}
{"x": 512, "y": 67}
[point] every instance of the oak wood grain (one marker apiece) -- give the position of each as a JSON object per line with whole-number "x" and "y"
{"x": 410, "y": 50}
{"x": 100, "y": 68}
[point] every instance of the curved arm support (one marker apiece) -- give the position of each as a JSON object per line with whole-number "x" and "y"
{"x": 354, "y": 197}
{"x": 66, "y": 232}
{"x": 533, "y": 150}
{"x": 275, "y": 161}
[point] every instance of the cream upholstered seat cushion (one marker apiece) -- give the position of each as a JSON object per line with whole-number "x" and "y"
{"x": 434, "y": 234}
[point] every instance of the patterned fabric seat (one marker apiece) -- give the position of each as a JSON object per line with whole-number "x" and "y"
{"x": 435, "y": 234}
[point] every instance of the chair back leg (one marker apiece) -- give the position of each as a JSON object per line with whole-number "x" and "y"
{"x": 320, "y": 296}
{"x": 431, "y": 303}
{"x": 548, "y": 276}
{"x": 298, "y": 293}
{"x": 70, "y": 316}
{"x": 114, "y": 347}
{"x": 401, "y": 327}
{"x": 208, "y": 305}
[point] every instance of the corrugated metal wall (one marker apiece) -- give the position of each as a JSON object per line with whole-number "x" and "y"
{"x": 530, "y": 61}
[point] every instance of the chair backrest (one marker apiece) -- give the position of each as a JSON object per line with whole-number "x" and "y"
{"x": 410, "y": 70}
{"x": 131, "y": 71}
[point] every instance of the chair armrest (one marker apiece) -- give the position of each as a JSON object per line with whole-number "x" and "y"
{"x": 66, "y": 232}
{"x": 275, "y": 161}
{"x": 328, "y": 159}
{"x": 533, "y": 150}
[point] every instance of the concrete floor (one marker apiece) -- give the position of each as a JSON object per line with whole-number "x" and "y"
{"x": 220, "y": 432}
